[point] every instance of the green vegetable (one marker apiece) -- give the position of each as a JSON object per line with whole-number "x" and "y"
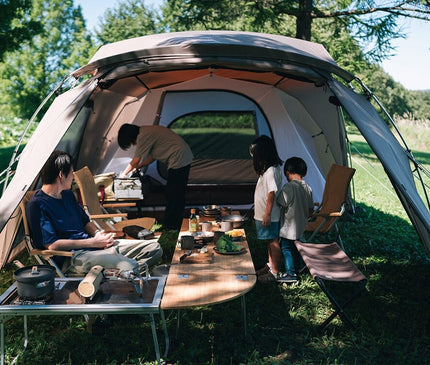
{"x": 225, "y": 244}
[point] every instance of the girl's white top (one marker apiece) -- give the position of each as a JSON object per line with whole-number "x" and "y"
{"x": 271, "y": 180}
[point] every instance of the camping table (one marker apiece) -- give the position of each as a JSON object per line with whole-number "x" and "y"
{"x": 224, "y": 278}
{"x": 113, "y": 297}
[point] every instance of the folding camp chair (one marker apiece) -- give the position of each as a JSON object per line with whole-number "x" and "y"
{"x": 96, "y": 210}
{"x": 332, "y": 206}
{"x": 41, "y": 256}
{"x": 328, "y": 262}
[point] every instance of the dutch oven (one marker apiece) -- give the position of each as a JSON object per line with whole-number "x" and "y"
{"x": 35, "y": 282}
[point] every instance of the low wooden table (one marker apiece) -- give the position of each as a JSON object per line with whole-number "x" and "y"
{"x": 224, "y": 278}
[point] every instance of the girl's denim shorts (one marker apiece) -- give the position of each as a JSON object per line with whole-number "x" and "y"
{"x": 267, "y": 233}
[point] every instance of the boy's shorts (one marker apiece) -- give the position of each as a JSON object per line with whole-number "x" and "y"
{"x": 267, "y": 233}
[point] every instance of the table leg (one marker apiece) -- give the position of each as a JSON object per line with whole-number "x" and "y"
{"x": 154, "y": 336}
{"x": 166, "y": 334}
{"x": 2, "y": 346}
{"x": 25, "y": 332}
{"x": 244, "y": 313}
{"x": 178, "y": 323}
{"x": 2, "y": 340}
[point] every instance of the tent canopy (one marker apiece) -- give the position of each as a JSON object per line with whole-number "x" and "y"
{"x": 286, "y": 85}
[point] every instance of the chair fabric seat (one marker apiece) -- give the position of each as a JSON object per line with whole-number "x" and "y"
{"x": 329, "y": 262}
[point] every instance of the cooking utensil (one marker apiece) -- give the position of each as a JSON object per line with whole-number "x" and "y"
{"x": 184, "y": 256}
{"x": 236, "y": 219}
{"x": 226, "y": 225}
{"x": 35, "y": 282}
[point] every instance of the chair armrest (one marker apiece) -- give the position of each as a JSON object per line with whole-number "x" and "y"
{"x": 106, "y": 216}
{"x": 329, "y": 215}
{"x": 36, "y": 251}
{"x": 118, "y": 205}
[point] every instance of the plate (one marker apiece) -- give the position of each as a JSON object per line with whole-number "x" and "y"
{"x": 243, "y": 250}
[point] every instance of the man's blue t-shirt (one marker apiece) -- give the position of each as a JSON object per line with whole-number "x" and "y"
{"x": 51, "y": 219}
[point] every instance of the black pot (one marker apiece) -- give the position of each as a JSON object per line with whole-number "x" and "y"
{"x": 35, "y": 282}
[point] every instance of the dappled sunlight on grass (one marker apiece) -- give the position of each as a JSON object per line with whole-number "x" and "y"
{"x": 391, "y": 316}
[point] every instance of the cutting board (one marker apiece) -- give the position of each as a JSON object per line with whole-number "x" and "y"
{"x": 199, "y": 258}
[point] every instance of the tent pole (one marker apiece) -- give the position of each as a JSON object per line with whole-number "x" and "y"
{"x": 408, "y": 151}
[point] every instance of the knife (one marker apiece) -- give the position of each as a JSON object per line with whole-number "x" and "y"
{"x": 184, "y": 256}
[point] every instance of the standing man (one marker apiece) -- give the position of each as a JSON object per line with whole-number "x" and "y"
{"x": 156, "y": 142}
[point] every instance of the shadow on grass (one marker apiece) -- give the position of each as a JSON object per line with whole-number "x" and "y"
{"x": 391, "y": 316}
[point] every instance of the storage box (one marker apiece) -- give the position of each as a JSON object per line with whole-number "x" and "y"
{"x": 129, "y": 188}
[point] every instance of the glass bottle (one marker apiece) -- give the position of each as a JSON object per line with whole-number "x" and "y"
{"x": 193, "y": 222}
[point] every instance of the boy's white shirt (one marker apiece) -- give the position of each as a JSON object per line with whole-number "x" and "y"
{"x": 296, "y": 200}
{"x": 270, "y": 181}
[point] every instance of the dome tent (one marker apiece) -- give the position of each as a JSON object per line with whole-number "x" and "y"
{"x": 289, "y": 86}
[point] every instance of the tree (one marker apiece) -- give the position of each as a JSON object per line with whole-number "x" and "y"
{"x": 368, "y": 22}
{"x": 130, "y": 19}
{"x": 29, "y": 74}
{"x": 395, "y": 98}
{"x": 15, "y": 24}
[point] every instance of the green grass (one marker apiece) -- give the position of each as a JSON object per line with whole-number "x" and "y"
{"x": 392, "y": 316}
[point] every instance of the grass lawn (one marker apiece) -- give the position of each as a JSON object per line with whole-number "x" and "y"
{"x": 392, "y": 316}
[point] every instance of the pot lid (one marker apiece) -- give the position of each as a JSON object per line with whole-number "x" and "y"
{"x": 34, "y": 273}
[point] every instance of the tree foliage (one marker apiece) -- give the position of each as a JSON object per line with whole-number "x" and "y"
{"x": 29, "y": 74}
{"x": 16, "y": 26}
{"x": 130, "y": 19}
{"x": 357, "y": 33}
{"x": 341, "y": 26}
{"x": 373, "y": 25}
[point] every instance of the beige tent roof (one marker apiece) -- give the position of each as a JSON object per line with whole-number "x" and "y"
{"x": 190, "y": 48}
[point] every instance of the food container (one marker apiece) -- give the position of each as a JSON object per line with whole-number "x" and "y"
{"x": 35, "y": 282}
{"x": 226, "y": 225}
{"x": 236, "y": 219}
{"x": 211, "y": 211}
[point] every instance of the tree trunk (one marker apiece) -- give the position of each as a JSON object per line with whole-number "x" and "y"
{"x": 304, "y": 20}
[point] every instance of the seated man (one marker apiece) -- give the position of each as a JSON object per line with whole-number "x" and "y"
{"x": 58, "y": 222}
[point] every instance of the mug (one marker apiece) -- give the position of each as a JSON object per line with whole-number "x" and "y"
{"x": 187, "y": 242}
{"x": 206, "y": 226}
{"x": 226, "y": 226}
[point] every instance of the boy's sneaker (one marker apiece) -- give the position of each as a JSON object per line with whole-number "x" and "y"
{"x": 283, "y": 277}
{"x": 264, "y": 270}
{"x": 268, "y": 277}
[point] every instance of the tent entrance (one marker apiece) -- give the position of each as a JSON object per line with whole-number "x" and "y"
{"x": 219, "y": 126}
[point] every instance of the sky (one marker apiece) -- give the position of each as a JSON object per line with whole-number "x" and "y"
{"x": 409, "y": 64}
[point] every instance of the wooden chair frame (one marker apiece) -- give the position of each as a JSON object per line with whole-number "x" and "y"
{"x": 332, "y": 206}
{"x": 96, "y": 210}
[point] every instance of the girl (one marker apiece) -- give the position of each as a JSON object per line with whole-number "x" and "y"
{"x": 266, "y": 212}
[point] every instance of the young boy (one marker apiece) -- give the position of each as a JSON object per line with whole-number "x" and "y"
{"x": 296, "y": 202}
